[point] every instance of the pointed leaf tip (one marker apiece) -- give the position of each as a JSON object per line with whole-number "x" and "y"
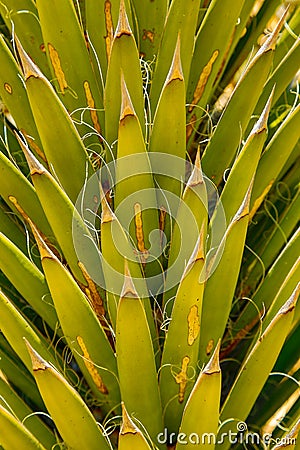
{"x": 244, "y": 208}
{"x": 107, "y": 214}
{"x": 38, "y": 363}
{"x": 127, "y": 108}
{"x": 44, "y": 250}
{"x": 213, "y": 365}
{"x": 290, "y": 304}
{"x": 128, "y": 426}
{"x": 175, "y": 72}
{"x": 262, "y": 123}
{"x": 198, "y": 252}
{"x": 196, "y": 175}
{"x": 34, "y": 165}
{"x": 199, "y": 248}
{"x": 30, "y": 69}
{"x": 128, "y": 289}
{"x": 123, "y": 26}
{"x": 270, "y": 43}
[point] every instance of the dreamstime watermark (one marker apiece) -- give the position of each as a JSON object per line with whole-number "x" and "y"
{"x": 240, "y": 436}
{"x": 113, "y": 176}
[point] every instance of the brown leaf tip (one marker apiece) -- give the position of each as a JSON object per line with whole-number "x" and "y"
{"x": 44, "y": 250}
{"x": 198, "y": 253}
{"x": 290, "y": 304}
{"x": 270, "y": 43}
{"x": 30, "y": 69}
{"x": 213, "y": 365}
{"x": 175, "y": 72}
{"x": 196, "y": 175}
{"x": 128, "y": 426}
{"x": 38, "y": 363}
{"x": 245, "y": 206}
{"x": 127, "y": 108}
{"x": 107, "y": 214}
{"x": 34, "y": 165}
{"x": 128, "y": 289}
{"x": 262, "y": 123}
{"x": 123, "y": 27}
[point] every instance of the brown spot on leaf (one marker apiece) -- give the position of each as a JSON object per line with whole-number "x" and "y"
{"x": 148, "y": 34}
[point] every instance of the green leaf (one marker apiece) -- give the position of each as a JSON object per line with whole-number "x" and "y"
{"x": 15, "y": 185}
{"x": 15, "y": 327}
{"x": 70, "y": 413}
{"x": 211, "y": 51}
{"x": 180, "y": 355}
{"x": 221, "y": 280}
{"x": 130, "y": 436}
{"x": 200, "y": 418}
{"x": 123, "y": 62}
{"x": 245, "y": 165}
{"x": 150, "y": 19}
{"x": 27, "y": 279}
{"x": 135, "y": 196}
{"x": 34, "y": 424}
{"x": 136, "y": 363}
{"x": 286, "y": 263}
{"x": 84, "y": 332}
{"x": 181, "y": 20}
{"x": 21, "y": 18}
{"x": 61, "y": 214}
{"x": 222, "y": 146}
{"x": 72, "y": 72}
{"x": 14, "y": 435}
{"x": 61, "y": 142}
{"x": 168, "y": 131}
{"x": 14, "y": 96}
{"x": 274, "y": 157}
{"x": 255, "y": 370}
{"x": 101, "y": 20}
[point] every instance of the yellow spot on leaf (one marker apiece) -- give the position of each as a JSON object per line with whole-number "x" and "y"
{"x": 55, "y": 61}
{"x": 8, "y": 88}
{"x": 138, "y": 219}
{"x": 181, "y": 378}
{"x": 148, "y": 34}
{"x": 193, "y": 324}
{"x": 203, "y": 80}
{"x": 91, "y": 105}
{"x": 91, "y": 367}
{"x": 109, "y": 27}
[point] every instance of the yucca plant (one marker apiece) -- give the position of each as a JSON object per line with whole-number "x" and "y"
{"x": 149, "y": 217}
